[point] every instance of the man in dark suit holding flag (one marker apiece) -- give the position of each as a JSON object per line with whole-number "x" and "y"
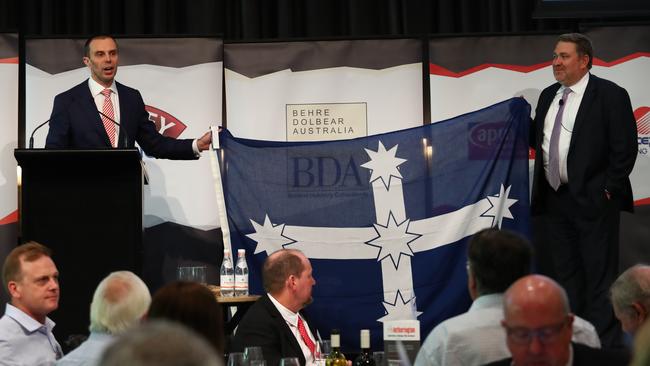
{"x": 584, "y": 135}
{"x": 76, "y": 121}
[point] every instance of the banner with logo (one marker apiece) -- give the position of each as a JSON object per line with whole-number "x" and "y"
{"x": 473, "y": 77}
{"x": 323, "y": 90}
{"x": 8, "y": 142}
{"x": 384, "y": 219}
{"x": 180, "y": 80}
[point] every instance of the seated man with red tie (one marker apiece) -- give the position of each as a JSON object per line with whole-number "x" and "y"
{"x": 102, "y": 113}
{"x": 275, "y": 321}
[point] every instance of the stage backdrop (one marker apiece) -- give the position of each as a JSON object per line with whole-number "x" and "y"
{"x": 322, "y": 90}
{"x": 180, "y": 80}
{"x": 8, "y": 142}
{"x": 483, "y": 70}
{"x": 384, "y": 219}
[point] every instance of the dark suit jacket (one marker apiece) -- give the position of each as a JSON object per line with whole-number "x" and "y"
{"x": 587, "y": 356}
{"x": 602, "y": 150}
{"x": 264, "y": 326}
{"x": 76, "y": 124}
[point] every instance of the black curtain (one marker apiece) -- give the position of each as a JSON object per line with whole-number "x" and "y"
{"x": 273, "y": 19}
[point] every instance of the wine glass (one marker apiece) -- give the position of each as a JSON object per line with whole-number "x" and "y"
{"x": 237, "y": 359}
{"x": 289, "y": 361}
{"x": 253, "y": 353}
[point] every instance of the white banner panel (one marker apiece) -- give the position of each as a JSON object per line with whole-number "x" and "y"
{"x": 372, "y": 86}
{"x": 8, "y": 127}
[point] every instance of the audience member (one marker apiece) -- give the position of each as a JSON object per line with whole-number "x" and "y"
{"x": 630, "y": 295}
{"x": 30, "y": 277}
{"x": 642, "y": 346}
{"x": 192, "y": 305}
{"x": 275, "y": 322}
{"x": 119, "y": 303}
{"x": 538, "y": 327}
{"x": 160, "y": 343}
{"x": 495, "y": 260}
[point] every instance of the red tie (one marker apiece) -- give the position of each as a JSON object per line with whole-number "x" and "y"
{"x": 107, "y": 109}
{"x": 305, "y": 337}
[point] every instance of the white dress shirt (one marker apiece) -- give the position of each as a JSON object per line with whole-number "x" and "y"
{"x": 89, "y": 353}
{"x": 26, "y": 342}
{"x": 291, "y": 319}
{"x": 571, "y": 106}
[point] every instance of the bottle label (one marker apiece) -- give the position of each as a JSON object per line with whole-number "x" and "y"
{"x": 227, "y": 281}
{"x": 241, "y": 282}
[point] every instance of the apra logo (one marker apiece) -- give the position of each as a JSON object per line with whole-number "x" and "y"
{"x": 642, "y": 116}
{"x": 166, "y": 124}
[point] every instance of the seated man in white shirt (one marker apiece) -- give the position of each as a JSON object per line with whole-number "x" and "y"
{"x": 275, "y": 322}
{"x": 32, "y": 280}
{"x": 120, "y": 301}
{"x": 496, "y": 259}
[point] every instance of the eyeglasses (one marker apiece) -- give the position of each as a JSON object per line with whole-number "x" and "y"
{"x": 545, "y": 335}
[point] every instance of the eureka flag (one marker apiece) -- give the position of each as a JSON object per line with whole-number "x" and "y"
{"x": 384, "y": 219}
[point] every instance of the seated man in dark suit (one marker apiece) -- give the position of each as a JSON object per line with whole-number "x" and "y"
{"x": 275, "y": 322}
{"x": 76, "y": 121}
{"x": 538, "y": 327}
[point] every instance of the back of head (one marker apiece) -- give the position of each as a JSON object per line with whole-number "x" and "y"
{"x": 497, "y": 258}
{"x": 631, "y": 286}
{"x": 192, "y": 305}
{"x": 160, "y": 343}
{"x": 279, "y": 266}
{"x": 28, "y": 252}
{"x": 120, "y": 301}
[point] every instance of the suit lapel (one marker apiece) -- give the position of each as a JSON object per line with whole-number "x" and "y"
{"x": 286, "y": 330}
{"x": 89, "y": 107}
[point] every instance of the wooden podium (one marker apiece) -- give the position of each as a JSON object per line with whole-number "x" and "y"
{"x": 86, "y": 205}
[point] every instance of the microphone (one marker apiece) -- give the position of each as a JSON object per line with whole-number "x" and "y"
{"x": 561, "y": 102}
{"x": 31, "y": 138}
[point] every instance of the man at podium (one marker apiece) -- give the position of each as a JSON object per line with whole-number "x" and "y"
{"x": 102, "y": 113}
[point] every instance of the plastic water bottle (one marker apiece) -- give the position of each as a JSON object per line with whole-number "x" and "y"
{"x": 241, "y": 274}
{"x": 227, "y": 275}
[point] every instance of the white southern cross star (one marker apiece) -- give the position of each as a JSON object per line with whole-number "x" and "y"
{"x": 269, "y": 237}
{"x": 500, "y": 206}
{"x": 393, "y": 239}
{"x": 400, "y": 309}
{"x": 383, "y": 163}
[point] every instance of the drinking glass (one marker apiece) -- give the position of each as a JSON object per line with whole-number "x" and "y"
{"x": 237, "y": 359}
{"x": 192, "y": 274}
{"x": 289, "y": 361}
{"x": 253, "y": 354}
{"x": 378, "y": 356}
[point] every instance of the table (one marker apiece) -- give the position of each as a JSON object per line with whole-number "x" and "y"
{"x": 241, "y": 303}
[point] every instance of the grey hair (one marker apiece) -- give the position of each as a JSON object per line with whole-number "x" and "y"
{"x": 119, "y": 302}
{"x": 160, "y": 343}
{"x": 631, "y": 286}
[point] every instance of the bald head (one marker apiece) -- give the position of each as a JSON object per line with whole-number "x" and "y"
{"x": 537, "y": 322}
{"x": 536, "y": 292}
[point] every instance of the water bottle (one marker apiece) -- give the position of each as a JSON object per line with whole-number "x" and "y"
{"x": 227, "y": 275}
{"x": 241, "y": 274}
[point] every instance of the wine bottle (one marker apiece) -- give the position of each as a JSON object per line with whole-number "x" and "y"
{"x": 365, "y": 357}
{"x": 335, "y": 358}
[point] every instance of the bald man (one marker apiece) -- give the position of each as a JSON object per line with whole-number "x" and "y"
{"x": 538, "y": 327}
{"x": 275, "y": 322}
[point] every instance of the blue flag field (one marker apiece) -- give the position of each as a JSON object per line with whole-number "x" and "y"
{"x": 384, "y": 219}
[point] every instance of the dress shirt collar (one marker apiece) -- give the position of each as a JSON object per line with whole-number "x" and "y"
{"x": 577, "y": 88}
{"x": 30, "y": 324}
{"x": 288, "y": 315}
{"x": 487, "y": 301}
{"x": 96, "y": 88}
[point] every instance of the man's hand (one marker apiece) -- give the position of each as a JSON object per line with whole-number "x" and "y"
{"x": 204, "y": 142}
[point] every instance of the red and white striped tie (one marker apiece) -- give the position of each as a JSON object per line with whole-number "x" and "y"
{"x": 107, "y": 109}
{"x": 305, "y": 337}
